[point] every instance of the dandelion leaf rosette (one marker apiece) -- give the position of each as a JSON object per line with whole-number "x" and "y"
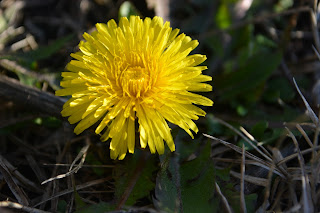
{"x": 139, "y": 70}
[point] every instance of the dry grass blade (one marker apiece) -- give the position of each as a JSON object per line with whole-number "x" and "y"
{"x": 264, "y": 152}
{"x": 292, "y": 156}
{"x": 310, "y": 113}
{"x": 316, "y": 135}
{"x": 301, "y": 130}
{"x": 259, "y": 161}
{"x": 23, "y": 144}
{"x": 16, "y": 191}
{"x": 294, "y": 208}
{"x": 314, "y": 27}
{"x": 279, "y": 190}
{"x": 247, "y": 133}
{"x": 78, "y": 187}
{"x": 82, "y": 154}
{"x": 306, "y": 191}
{"x": 68, "y": 165}
{"x": 316, "y": 52}
{"x": 13, "y": 205}
{"x": 267, "y": 190}
{"x": 250, "y": 179}
{"x": 35, "y": 167}
{"x": 275, "y": 191}
{"x": 277, "y": 157}
{"x": 243, "y": 170}
{"x": 224, "y": 199}
{"x": 248, "y": 162}
{"x": 28, "y": 184}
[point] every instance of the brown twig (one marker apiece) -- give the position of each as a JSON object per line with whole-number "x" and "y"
{"x": 16, "y": 191}
{"x": 243, "y": 170}
{"x": 17, "y": 68}
{"x": 33, "y": 98}
{"x": 14, "y": 205}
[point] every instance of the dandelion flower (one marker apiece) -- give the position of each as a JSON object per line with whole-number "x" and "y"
{"x": 137, "y": 73}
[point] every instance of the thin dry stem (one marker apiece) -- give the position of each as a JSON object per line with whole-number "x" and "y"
{"x": 243, "y": 169}
{"x": 306, "y": 137}
{"x": 14, "y": 205}
{"x": 78, "y": 187}
{"x": 267, "y": 190}
{"x": 262, "y": 163}
{"x": 310, "y": 113}
{"x": 294, "y": 155}
{"x": 82, "y": 154}
{"x": 224, "y": 199}
{"x": 314, "y": 26}
{"x": 306, "y": 191}
{"x": 264, "y": 152}
{"x": 15, "y": 189}
{"x": 250, "y": 179}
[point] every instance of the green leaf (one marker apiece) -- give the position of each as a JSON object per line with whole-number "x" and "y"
{"x": 51, "y": 122}
{"x": 249, "y": 77}
{"x": 258, "y": 130}
{"x": 194, "y": 181}
{"x": 251, "y": 201}
{"x": 279, "y": 88}
{"x": 166, "y": 192}
{"x": 241, "y": 39}
{"x": 26, "y": 80}
{"x": 223, "y": 17}
{"x": 192, "y": 169}
{"x": 127, "y": 9}
{"x": 233, "y": 198}
{"x": 185, "y": 145}
{"x": 78, "y": 200}
{"x": 101, "y": 207}
{"x": 223, "y": 174}
{"x": 123, "y": 173}
{"x": 93, "y": 159}
{"x": 216, "y": 45}
{"x": 213, "y": 126}
{"x": 283, "y": 5}
{"x": 197, "y": 180}
{"x": 242, "y": 110}
{"x": 264, "y": 41}
{"x": 62, "y": 206}
{"x": 3, "y": 23}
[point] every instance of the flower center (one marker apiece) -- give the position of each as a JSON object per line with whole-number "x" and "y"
{"x": 134, "y": 81}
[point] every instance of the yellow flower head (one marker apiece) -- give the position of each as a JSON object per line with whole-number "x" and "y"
{"x": 140, "y": 70}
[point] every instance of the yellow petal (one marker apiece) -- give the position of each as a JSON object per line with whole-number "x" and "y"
{"x": 86, "y": 123}
{"x": 131, "y": 135}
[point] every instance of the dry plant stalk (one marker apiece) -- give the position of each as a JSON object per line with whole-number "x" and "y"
{"x": 303, "y": 198}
